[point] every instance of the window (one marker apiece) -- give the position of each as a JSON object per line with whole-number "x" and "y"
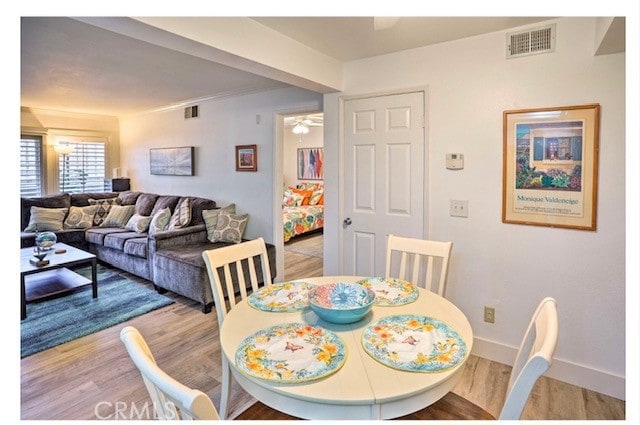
{"x": 82, "y": 170}
{"x": 30, "y": 166}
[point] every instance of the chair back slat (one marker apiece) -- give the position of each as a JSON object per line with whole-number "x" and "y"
{"x": 237, "y": 255}
{"x": 422, "y": 254}
{"x": 171, "y": 399}
{"x": 533, "y": 359}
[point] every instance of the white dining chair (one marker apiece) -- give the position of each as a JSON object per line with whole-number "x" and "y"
{"x": 223, "y": 264}
{"x": 171, "y": 399}
{"x": 417, "y": 261}
{"x": 533, "y": 359}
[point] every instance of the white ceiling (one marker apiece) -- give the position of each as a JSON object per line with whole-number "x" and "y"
{"x": 68, "y": 65}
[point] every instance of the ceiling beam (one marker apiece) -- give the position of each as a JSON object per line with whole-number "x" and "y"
{"x": 241, "y": 43}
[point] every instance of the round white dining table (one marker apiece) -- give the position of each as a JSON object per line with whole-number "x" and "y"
{"x": 362, "y": 388}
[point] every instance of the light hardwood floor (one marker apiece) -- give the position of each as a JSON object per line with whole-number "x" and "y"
{"x": 93, "y": 378}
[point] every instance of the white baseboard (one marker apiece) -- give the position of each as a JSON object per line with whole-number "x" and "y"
{"x": 562, "y": 370}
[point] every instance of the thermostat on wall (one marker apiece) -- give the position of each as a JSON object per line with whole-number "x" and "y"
{"x": 455, "y": 161}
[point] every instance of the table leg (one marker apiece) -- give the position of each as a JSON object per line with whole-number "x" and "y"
{"x": 23, "y": 301}
{"x": 94, "y": 278}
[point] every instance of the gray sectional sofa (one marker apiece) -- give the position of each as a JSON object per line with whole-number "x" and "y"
{"x": 171, "y": 259}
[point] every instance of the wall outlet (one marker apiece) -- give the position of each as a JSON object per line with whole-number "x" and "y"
{"x": 459, "y": 208}
{"x": 489, "y": 314}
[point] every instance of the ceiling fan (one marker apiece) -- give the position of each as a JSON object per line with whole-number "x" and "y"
{"x": 300, "y": 124}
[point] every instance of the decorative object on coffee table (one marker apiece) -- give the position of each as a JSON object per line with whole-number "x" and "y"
{"x": 38, "y": 260}
{"x": 45, "y": 240}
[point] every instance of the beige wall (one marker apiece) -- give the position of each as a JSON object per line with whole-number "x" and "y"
{"x": 49, "y": 124}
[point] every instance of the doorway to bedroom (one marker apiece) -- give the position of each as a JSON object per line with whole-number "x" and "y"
{"x": 303, "y": 195}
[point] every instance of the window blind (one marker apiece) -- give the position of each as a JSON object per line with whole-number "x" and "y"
{"x": 30, "y": 166}
{"x": 82, "y": 170}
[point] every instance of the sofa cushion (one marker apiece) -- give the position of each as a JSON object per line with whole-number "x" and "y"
{"x": 197, "y": 206}
{"x": 55, "y": 201}
{"x": 118, "y": 216}
{"x": 165, "y": 201}
{"x": 46, "y": 219}
{"x": 145, "y": 203}
{"x": 117, "y": 240}
{"x": 136, "y": 247}
{"x": 129, "y": 197}
{"x": 96, "y": 235}
{"x": 80, "y": 217}
{"x": 74, "y": 237}
{"x": 104, "y": 205}
{"x": 82, "y": 199}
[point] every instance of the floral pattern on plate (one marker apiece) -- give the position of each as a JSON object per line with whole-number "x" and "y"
{"x": 340, "y": 296}
{"x": 390, "y": 291}
{"x": 414, "y": 343}
{"x": 282, "y": 297}
{"x": 294, "y": 352}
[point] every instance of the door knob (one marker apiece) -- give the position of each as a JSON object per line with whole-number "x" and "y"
{"x": 346, "y": 223}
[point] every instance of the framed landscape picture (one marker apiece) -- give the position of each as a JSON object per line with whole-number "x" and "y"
{"x": 172, "y": 161}
{"x": 246, "y": 158}
{"x": 550, "y": 166}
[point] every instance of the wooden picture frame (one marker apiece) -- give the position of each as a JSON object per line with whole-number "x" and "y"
{"x": 171, "y": 161}
{"x": 246, "y": 158}
{"x": 310, "y": 164}
{"x": 550, "y": 166}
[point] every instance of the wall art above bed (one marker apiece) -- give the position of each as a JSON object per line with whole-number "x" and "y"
{"x": 311, "y": 163}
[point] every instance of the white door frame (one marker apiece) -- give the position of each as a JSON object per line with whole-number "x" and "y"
{"x": 278, "y": 179}
{"x": 341, "y": 147}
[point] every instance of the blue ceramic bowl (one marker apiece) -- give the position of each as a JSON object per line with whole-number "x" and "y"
{"x": 341, "y": 302}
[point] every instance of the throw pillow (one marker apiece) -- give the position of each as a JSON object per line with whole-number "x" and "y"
{"x": 118, "y": 216}
{"x": 230, "y": 227}
{"x": 306, "y": 194}
{"x": 181, "y": 216}
{"x": 315, "y": 198}
{"x": 160, "y": 221}
{"x": 292, "y": 199}
{"x": 210, "y": 218}
{"x": 138, "y": 223}
{"x": 104, "y": 205}
{"x": 46, "y": 219}
{"x": 80, "y": 217}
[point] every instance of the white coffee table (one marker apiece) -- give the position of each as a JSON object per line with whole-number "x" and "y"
{"x": 55, "y": 278}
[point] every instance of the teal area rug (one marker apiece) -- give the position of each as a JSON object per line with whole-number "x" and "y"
{"x": 55, "y": 321}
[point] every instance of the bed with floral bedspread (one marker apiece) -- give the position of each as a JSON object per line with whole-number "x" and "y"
{"x": 303, "y": 219}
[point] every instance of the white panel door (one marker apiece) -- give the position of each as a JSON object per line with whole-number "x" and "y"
{"x": 384, "y": 177}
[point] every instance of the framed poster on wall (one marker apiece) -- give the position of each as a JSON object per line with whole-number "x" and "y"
{"x": 550, "y": 166}
{"x": 310, "y": 163}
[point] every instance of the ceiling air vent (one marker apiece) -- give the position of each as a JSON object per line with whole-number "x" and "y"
{"x": 531, "y": 42}
{"x": 191, "y": 112}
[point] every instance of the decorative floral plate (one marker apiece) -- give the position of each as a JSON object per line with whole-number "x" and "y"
{"x": 290, "y": 353}
{"x": 283, "y": 297}
{"x": 390, "y": 291}
{"x": 414, "y": 343}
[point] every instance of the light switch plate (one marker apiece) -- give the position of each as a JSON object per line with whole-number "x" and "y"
{"x": 459, "y": 208}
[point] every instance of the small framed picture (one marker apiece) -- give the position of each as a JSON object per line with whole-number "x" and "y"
{"x": 246, "y": 158}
